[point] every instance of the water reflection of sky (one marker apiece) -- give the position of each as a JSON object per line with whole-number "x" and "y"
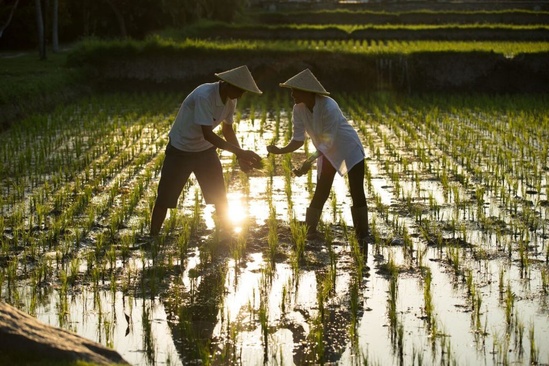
{"x": 102, "y": 318}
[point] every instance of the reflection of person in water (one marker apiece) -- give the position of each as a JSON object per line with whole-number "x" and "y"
{"x": 193, "y": 144}
{"x": 339, "y": 149}
{"x": 197, "y": 317}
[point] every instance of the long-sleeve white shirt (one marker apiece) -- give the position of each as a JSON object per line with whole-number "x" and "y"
{"x": 329, "y": 131}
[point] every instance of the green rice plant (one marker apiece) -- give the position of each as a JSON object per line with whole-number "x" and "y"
{"x": 534, "y": 351}
{"x": 299, "y": 236}
{"x": 333, "y": 205}
{"x": 316, "y": 338}
{"x": 273, "y": 233}
{"x": 354, "y": 307}
{"x": 509, "y": 305}
{"x": 239, "y": 246}
{"x": 454, "y": 259}
{"x": 544, "y": 273}
{"x": 523, "y": 255}
{"x": 519, "y": 335}
{"x": 469, "y": 282}
{"x": 196, "y": 215}
{"x": 358, "y": 257}
{"x": 264, "y": 322}
{"x": 148, "y": 340}
{"x": 287, "y": 166}
{"x": 183, "y": 239}
{"x": 501, "y": 284}
{"x": 477, "y": 306}
{"x": 392, "y": 305}
{"x": 428, "y": 306}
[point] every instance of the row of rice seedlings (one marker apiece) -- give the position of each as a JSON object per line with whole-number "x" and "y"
{"x": 456, "y": 173}
{"x": 444, "y": 182}
{"x": 453, "y": 253}
{"x": 38, "y": 198}
{"x": 65, "y": 220}
{"x": 475, "y": 300}
{"x": 59, "y": 152}
{"x": 68, "y": 214}
{"x": 367, "y": 46}
{"x": 397, "y": 224}
{"x": 299, "y": 237}
{"x": 272, "y": 239}
{"x": 523, "y": 259}
{"x": 446, "y": 172}
{"x": 98, "y": 272}
{"x": 395, "y": 325}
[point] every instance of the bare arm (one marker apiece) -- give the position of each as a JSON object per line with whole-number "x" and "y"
{"x": 247, "y": 158}
{"x": 229, "y": 134}
{"x": 292, "y": 146}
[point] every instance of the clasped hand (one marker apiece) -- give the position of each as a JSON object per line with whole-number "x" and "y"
{"x": 248, "y": 160}
{"x": 303, "y": 169}
{"x": 272, "y": 149}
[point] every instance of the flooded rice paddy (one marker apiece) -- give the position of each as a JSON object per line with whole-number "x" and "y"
{"x": 457, "y": 269}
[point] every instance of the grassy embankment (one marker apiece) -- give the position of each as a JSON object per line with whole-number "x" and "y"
{"x": 30, "y": 84}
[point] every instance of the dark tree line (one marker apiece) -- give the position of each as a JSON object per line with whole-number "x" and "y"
{"x": 39, "y": 23}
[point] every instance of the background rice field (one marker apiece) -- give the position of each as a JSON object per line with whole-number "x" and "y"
{"x": 457, "y": 272}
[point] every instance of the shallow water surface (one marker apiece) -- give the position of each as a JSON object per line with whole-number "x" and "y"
{"x": 456, "y": 270}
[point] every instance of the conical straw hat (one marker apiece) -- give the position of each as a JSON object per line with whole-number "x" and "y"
{"x": 240, "y": 77}
{"x": 306, "y": 81}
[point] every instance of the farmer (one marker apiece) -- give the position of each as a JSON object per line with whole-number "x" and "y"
{"x": 192, "y": 144}
{"x": 338, "y": 148}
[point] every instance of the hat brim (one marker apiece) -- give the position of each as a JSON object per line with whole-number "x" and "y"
{"x": 321, "y": 92}
{"x": 243, "y": 87}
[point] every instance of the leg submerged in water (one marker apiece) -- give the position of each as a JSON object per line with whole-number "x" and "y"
{"x": 312, "y": 217}
{"x": 360, "y": 222}
{"x": 157, "y": 219}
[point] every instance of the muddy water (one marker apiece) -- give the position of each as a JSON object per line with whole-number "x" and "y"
{"x": 480, "y": 308}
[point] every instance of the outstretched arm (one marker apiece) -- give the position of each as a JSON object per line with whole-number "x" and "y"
{"x": 292, "y": 146}
{"x": 246, "y": 158}
{"x": 210, "y": 136}
{"x": 307, "y": 164}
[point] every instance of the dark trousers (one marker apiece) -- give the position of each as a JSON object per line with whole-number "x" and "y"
{"x": 326, "y": 179}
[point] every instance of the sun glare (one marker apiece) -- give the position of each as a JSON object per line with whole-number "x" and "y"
{"x": 238, "y": 211}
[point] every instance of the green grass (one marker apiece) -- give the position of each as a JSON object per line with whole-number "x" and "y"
{"x": 25, "y": 75}
{"x": 203, "y": 28}
{"x": 173, "y": 44}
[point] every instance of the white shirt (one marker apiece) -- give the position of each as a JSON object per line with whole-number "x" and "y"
{"x": 202, "y": 107}
{"x": 330, "y": 133}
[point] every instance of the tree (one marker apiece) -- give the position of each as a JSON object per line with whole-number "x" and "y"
{"x": 55, "y": 26}
{"x": 119, "y": 17}
{"x": 9, "y": 17}
{"x": 40, "y": 29}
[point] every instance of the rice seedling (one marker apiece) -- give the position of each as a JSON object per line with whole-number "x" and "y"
{"x": 273, "y": 233}
{"x": 509, "y": 305}
{"x": 89, "y": 204}
{"x": 428, "y": 301}
{"x": 545, "y": 280}
{"x": 299, "y": 236}
{"x": 534, "y": 351}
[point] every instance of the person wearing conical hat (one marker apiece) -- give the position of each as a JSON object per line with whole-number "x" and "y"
{"x": 338, "y": 149}
{"x": 193, "y": 144}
